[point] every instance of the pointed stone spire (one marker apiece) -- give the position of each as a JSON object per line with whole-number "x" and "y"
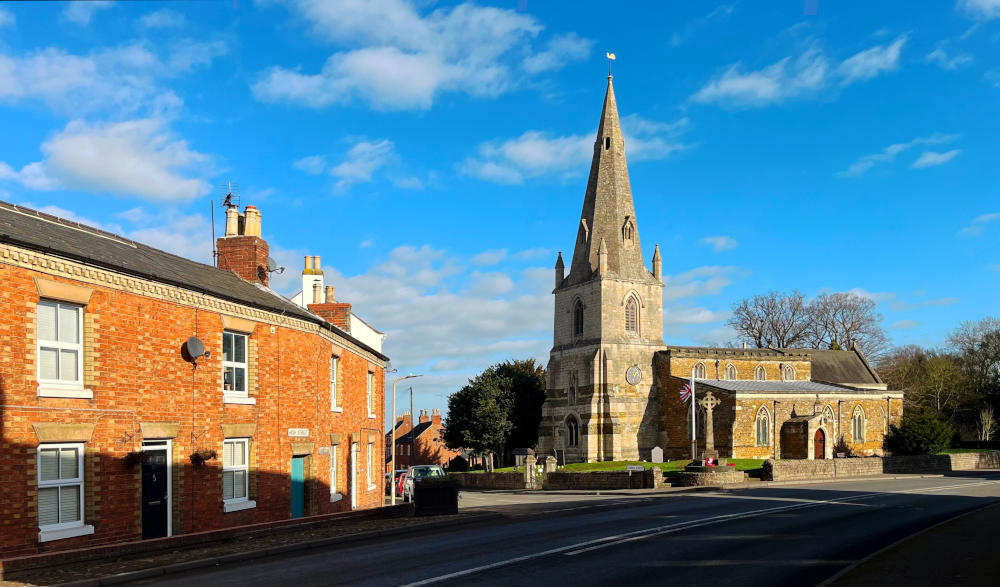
{"x": 608, "y": 211}
{"x": 560, "y": 270}
{"x": 657, "y": 264}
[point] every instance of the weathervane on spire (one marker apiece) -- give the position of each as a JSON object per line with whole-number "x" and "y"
{"x": 611, "y": 57}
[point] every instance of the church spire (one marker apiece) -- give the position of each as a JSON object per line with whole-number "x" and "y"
{"x": 608, "y": 211}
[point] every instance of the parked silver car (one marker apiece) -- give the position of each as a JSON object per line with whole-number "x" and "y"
{"x": 416, "y": 474}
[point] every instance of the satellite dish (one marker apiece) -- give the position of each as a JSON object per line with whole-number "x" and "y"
{"x": 194, "y": 349}
{"x": 272, "y": 266}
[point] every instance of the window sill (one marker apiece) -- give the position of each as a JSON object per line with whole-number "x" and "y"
{"x": 238, "y": 399}
{"x": 371, "y": 416}
{"x": 335, "y": 497}
{"x": 337, "y": 409}
{"x": 372, "y": 487}
{"x": 49, "y": 535}
{"x": 235, "y": 506}
{"x": 69, "y": 392}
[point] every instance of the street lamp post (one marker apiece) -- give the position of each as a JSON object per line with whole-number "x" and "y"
{"x": 392, "y": 437}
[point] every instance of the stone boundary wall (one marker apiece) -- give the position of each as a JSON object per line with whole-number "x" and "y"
{"x": 792, "y": 470}
{"x": 720, "y": 477}
{"x": 60, "y": 557}
{"x": 490, "y": 480}
{"x": 562, "y": 480}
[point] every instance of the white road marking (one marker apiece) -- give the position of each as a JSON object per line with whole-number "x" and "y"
{"x": 597, "y": 543}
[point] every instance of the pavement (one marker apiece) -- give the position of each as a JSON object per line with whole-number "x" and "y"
{"x": 792, "y": 533}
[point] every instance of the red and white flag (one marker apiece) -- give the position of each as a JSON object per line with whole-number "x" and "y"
{"x": 685, "y": 393}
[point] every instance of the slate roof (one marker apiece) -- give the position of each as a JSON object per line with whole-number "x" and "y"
{"x": 414, "y": 432}
{"x": 772, "y": 386}
{"x": 842, "y": 367}
{"x": 45, "y": 233}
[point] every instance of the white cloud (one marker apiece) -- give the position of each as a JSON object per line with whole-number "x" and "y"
{"x": 876, "y": 296}
{"x": 904, "y": 324}
{"x": 81, "y": 12}
{"x": 981, "y": 9}
{"x": 402, "y": 59}
{"x": 901, "y": 306}
{"x": 491, "y": 285}
{"x": 531, "y": 254}
{"x": 701, "y": 281}
{"x": 560, "y": 50}
{"x": 871, "y": 62}
{"x": 408, "y": 183}
{"x": 490, "y": 257}
{"x": 804, "y": 75}
{"x": 931, "y": 158}
{"x": 940, "y": 57}
{"x": 889, "y": 154}
{"x": 362, "y": 160}
{"x": 721, "y": 243}
{"x": 138, "y": 158}
{"x": 720, "y": 13}
{"x": 536, "y": 153}
{"x": 124, "y": 79}
{"x": 692, "y": 315}
{"x": 978, "y": 224}
{"x": 162, "y": 18}
{"x": 7, "y": 18}
{"x": 314, "y": 164}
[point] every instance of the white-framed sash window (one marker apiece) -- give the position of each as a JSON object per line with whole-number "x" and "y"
{"x": 59, "y": 337}
{"x": 371, "y": 465}
{"x": 234, "y": 363}
{"x": 236, "y": 474}
{"x": 334, "y": 371}
{"x": 60, "y": 491}
{"x": 370, "y": 383}
{"x": 335, "y": 494}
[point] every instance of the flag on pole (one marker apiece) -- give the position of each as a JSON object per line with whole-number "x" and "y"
{"x": 611, "y": 56}
{"x": 685, "y": 393}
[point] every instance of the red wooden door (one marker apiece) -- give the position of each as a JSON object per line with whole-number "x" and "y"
{"x": 819, "y": 442}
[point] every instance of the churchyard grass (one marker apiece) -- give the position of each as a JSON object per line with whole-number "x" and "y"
{"x": 958, "y": 451}
{"x": 751, "y": 466}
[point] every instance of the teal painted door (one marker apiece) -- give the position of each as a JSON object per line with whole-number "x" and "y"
{"x": 298, "y": 486}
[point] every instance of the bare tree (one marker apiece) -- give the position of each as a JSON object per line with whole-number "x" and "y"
{"x": 978, "y": 345}
{"x": 928, "y": 378}
{"x": 986, "y": 425}
{"x": 847, "y": 319}
{"x": 772, "y": 320}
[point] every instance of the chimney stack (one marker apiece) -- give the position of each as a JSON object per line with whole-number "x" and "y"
{"x": 424, "y": 417}
{"x": 242, "y": 250}
{"x": 436, "y": 417}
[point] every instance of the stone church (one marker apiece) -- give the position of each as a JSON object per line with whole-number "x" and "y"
{"x": 613, "y": 383}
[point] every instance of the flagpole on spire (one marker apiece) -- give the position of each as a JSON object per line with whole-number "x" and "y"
{"x": 611, "y": 57}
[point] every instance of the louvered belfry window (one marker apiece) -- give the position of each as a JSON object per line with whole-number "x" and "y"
{"x": 632, "y": 316}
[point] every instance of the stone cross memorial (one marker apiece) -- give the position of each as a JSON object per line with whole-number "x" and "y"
{"x": 709, "y": 402}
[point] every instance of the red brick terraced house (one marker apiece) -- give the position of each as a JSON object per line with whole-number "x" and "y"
{"x": 422, "y": 444}
{"x": 145, "y": 395}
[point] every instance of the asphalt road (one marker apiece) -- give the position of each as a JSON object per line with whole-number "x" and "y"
{"x": 794, "y": 535}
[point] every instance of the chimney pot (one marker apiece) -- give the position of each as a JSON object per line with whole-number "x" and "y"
{"x": 252, "y": 225}
{"x": 317, "y": 293}
{"x": 309, "y": 262}
{"x": 330, "y": 294}
{"x": 316, "y": 264}
{"x": 232, "y": 222}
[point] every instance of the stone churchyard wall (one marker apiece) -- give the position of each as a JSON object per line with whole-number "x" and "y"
{"x": 649, "y": 479}
{"x": 489, "y": 480}
{"x": 791, "y": 470}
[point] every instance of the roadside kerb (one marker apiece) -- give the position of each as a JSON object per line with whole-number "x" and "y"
{"x": 174, "y": 568}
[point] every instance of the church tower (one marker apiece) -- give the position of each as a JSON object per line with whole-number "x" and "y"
{"x": 600, "y": 403}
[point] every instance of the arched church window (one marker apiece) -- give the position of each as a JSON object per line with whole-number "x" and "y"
{"x": 632, "y": 316}
{"x": 828, "y": 417}
{"x": 759, "y": 373}
{"x": 858, "y": 424}
{"x": 788, "y": 373}
{"x": 573, "y": 431}
{"x": 628, "y": 232}
{"x": 731, "y": 372}
{"x": 763, "y": 425}
{"x": 698, "y": 371}
{"x": 578, "y": 318}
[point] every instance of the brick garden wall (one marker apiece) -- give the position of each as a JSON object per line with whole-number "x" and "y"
{"x": 133, "y": 365}
{"x": 489, "y": 480}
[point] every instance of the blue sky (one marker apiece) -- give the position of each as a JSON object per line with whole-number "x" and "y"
{"x": 435, "y": 154}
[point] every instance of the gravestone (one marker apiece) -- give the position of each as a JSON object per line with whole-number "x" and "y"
{"x": 657, "y": 455}
{"x": 550, "y": 464}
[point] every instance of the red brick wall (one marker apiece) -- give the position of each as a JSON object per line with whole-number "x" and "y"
{"x": 338, "y": 314}
{"x": 244, "y": 255}
{"x": 134, "y": 365}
